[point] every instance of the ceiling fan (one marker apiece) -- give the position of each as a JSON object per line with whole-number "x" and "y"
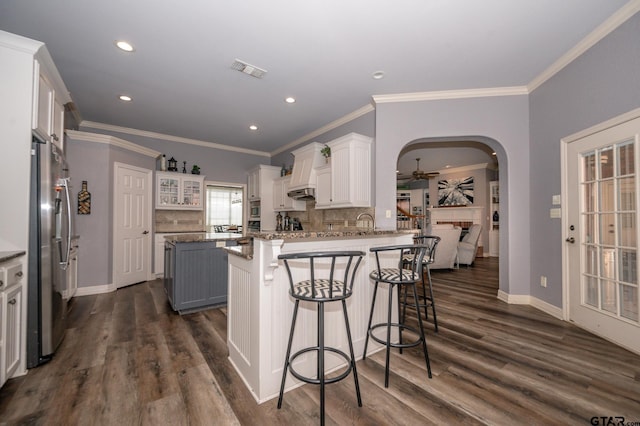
{"x": 418, "y": 174}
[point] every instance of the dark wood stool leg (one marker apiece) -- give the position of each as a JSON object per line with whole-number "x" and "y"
{"x": 373, "y": 304}
{"x": 401, "y": 317}
{"x": 353, "y": 357}
{"x": 424, "y": 340}
{"x": 286, "y": 358}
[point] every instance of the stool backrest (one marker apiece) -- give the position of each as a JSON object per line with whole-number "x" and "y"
{"x": 431, "y": 241}
{"x": 408, "y": 256}
{"x": 342, "y": 267}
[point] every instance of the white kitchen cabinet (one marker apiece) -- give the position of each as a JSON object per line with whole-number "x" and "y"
{"x": 11, "y": 291}
{"x": 323, "y": 187}
{"x": 48, "y": 109}
{"x": 281, "y": 201}
{"x": 253, "y": 186}
{"x": 260, "y": 190}
{"x": 176, "y": 191}
{"x": 158, "y": 257}
{"x": 350, "y": 174}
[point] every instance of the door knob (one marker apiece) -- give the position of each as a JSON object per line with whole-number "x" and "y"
{"x": 145, "y": 232}
{"x": 570, "y": 240}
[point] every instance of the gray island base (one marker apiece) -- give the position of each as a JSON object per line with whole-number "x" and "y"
{"x": 259, "y": 307}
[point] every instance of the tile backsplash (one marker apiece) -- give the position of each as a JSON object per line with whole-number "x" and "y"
{"x": 336, "y": 219}
{"x": 179, "y": 221}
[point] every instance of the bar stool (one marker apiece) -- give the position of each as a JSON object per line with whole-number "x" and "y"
{"x": 431, "y": 241}
{"x": 337, "y": 287}
{"x": 408, "y": 260}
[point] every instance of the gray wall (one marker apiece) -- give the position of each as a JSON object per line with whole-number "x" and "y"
{"x": 216, "y": 164}
{"x": 93, "y": 162}
{"x": 499, "y": 122}
{"x": 602, "y": 83}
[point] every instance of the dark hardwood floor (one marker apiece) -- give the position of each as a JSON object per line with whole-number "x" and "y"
{"x": 127, "y": 359}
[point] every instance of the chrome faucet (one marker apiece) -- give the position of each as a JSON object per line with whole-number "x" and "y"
{"x": 366, "y": 214}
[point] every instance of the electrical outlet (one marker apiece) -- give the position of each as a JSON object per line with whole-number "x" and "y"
{"x": 388, "y": 214}
{"x": 543, "y": 281}
{"x": 346, "y": 223}
{"x": 175, "y": 221}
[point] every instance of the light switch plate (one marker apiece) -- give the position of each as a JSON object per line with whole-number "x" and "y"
{"x": 555, "y": 200}
{"x": 555, "y": 213}
{"x": 220, "y": 244}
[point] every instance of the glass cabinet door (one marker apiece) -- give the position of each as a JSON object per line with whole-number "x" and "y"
{"x": 168, "y": 188}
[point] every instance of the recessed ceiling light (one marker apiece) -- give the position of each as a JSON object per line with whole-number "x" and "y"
{"x": 448, "y": 166}
{"x": 125, "y": 98}
{"x": 378, "y": 75}
{"x": 290, "y": 100}
{"x": 493, "y": 153}
{"x": 123, "y": 45}
{"x": 253, "y": 127}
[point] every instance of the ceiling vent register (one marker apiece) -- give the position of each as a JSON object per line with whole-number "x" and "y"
{"x": 249, "y": 69}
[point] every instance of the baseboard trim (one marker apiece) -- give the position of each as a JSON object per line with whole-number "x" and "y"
{"x": 525, "y": 299}
{"x": 95, "y": 289}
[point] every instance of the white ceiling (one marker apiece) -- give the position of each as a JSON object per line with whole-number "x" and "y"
{"x": 322, "y": 52}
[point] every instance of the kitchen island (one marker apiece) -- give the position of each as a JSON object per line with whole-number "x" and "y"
{"x": 195, "y": 269}
{"x": 259, "y": 308}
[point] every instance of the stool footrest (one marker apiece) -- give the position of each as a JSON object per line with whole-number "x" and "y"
{"x": 316, "y": 381}
{"x": 401, "y": 327}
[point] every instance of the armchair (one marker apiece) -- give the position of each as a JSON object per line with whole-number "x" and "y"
{"x": 468, "y": 247}
{"x": 447, "y": 252}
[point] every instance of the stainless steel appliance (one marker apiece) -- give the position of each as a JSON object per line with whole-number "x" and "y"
{"x": 50, "y": 230}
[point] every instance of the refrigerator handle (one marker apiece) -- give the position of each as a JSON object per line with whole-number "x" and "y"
{"x": 65, "y": 263}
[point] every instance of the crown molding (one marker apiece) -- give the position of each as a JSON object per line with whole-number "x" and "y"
{"x": 451, "y": 94}
{"x": 334, "y": 124}
{"x": 112, "y": 140}
{"x": 170, "y": 138}
{"x": 613, "y": 22}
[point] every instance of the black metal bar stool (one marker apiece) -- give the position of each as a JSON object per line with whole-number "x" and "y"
{"x": 431, "y": 242}
{"x": 408, "y": 260}
{"x": 333, "y": 285}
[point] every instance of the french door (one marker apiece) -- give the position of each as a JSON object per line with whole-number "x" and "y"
{"x": 602, "y": 235}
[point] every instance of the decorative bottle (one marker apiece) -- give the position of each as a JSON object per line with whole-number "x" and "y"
{"x": 84, "y": 200}
{"x": 278, "y": 222}
{"x": 163, "y": 163}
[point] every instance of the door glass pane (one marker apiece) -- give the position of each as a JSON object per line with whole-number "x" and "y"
{"x": 606, "y": 163}
{"x": 590, "y": 228}
{"x": 591, "y": 260}
{"x": 626, "y": 193}
{"x": 608, "y": 269}
{"x": 606, "y": 196}
{"x": 627, "y": 230}
{"x": 629, "y": 302}
{"x": 626, "y": 159}
{"x": 591, "y": 291}
{"x": 608, "y": 297}
{"x": 589, "y": 197}
{"x": 628, "y": 266}
{"x": 607, "y": 229}
{"x": 589, "y": 166}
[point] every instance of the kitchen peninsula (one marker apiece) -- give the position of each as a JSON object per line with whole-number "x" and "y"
{"x": 260, "y": 308}
{"x": 195, "y": 269}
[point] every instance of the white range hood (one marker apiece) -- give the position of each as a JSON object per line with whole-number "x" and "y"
{"x": 303, "y": 176}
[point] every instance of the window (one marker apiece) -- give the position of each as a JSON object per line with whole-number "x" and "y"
{"x": 224, "y": 207}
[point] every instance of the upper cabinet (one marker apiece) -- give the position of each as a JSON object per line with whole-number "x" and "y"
{"x": 281, "y": 201}
{"x": 348, "y": 183}
{"x": 48, "y": 106}
{"x": 260, "y": 190}
{"x": 176, "y": 191}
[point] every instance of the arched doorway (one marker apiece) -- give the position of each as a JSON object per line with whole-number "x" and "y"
{"x": 474, "y": 159}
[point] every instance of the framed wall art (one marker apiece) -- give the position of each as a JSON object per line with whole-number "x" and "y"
{"x": 455, "y": 192}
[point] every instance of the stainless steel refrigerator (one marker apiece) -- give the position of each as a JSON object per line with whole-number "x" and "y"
{"x": 50, "y": 231}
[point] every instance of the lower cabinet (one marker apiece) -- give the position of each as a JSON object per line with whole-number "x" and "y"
{"x": 11, "y": 294}
{"x": 195, "y": 274}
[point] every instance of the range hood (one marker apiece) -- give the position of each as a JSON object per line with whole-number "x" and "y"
{"x": 303, "y": 176}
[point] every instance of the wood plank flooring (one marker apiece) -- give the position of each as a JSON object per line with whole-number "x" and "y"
{"x": 128, "y": 360}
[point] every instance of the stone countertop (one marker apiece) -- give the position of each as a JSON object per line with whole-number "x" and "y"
{"x": 204, "y": 237}
{"x": 300, "y": 235}
{"x": 8, "y": 255}
{"x": 245, "y": 251}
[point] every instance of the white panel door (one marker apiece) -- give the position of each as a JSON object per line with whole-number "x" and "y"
{"x": 132, "y": 225}
{"x": 602, "y": 233}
